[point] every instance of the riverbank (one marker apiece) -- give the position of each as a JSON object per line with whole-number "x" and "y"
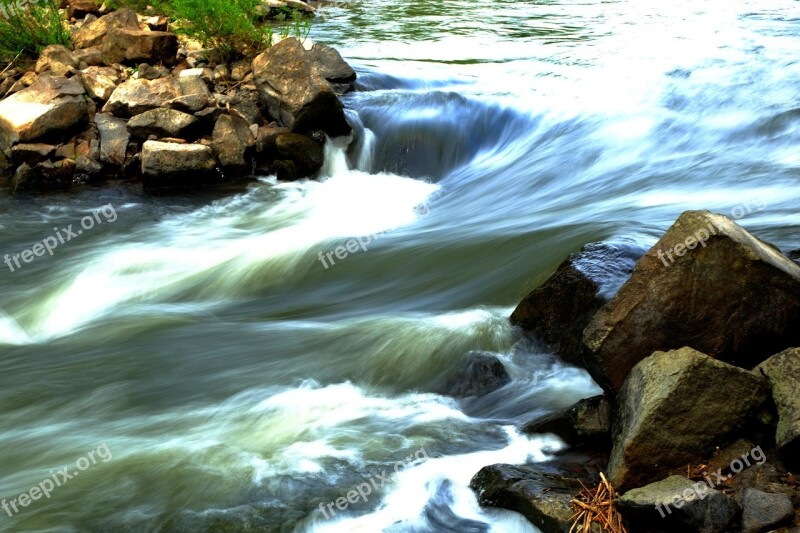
{"x": 129, "y": 99}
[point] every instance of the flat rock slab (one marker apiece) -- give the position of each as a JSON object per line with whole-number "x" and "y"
{"x": 167, "y": 165}
{"x": 708, "y": 284}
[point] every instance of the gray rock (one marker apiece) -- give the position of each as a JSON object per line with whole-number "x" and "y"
{"x": 765, "y": 512}
{"x": 678, "y": 504}
{"x": 725, "y": 293}
{"x": 162, "y": 122}
{"x": 587, "y": 423}
{"x": 783, "y": 372}
{"x": 114, "y": 139}
{"x": 294, "y": 89}
{"x": 234, "y": 143}
{"x": 172, "y": 165}
{"x": 674, "y": 408}
{"x": 50, "y": 104}
{"x": 478, "y": 374}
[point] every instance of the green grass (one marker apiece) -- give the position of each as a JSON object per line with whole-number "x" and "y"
{"x": 25, "y": 31}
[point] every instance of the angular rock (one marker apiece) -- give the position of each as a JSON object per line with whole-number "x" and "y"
{"x": 765, "y": 512}
{"x": 162, "y": 122}
{"x": 149, "y": 72}
{"x": 30, "y": 153}
{"x": 783, "y": 372}
{"x": 57, "y": 60}
{"x": 46, "y": 175}
{"x": 114, "y": 139}
{"x": 307, "y": 155}
{"x": 128, "y": 44}
{"x": 540, "y": 496}
{"x": 233, "y": 142}
{"x": 560, "y": 309}
{"x": 136, "y": 96}
{"x": 478, "y": 374}
{"x": 170, "y": 165}
{"x": 80, "y": 8}
{"x": 677, "y": 504}
{"x": 100, "y": 82}
{"x": 95, "y": 32}
{"x": 333, "y": 68}
{"x": 50, "y": 104}
{"x": 726, "y": 294}
{"x": 674, "y": 408}
{"x": 587, "y": 423}
{"x": 92, "y": 57}
{"x": 295, "y": 91}
{"x": 244, "y": 104}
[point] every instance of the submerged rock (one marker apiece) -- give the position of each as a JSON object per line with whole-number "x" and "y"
{"x": 673, "y": 409}
{"x": 558, "y": 311}
{"x": 295, "y": 90}
{"x": 478, "y": 374}
{"x": 708, "y": 284}
{"x": 307, "y": 155}
{"x": 677, "y": 504}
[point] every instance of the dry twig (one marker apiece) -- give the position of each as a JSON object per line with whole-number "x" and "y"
{"x": 597, "y": 506}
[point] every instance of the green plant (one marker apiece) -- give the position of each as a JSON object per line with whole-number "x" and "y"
{"x": 230, "y": 26}
{"x": 294, "y": 23}
{"x": 25, "y": 29}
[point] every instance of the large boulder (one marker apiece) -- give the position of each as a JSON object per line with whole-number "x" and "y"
{"x": 162, "y": 122}
{"x": 234, "y": 143}
{"x": 114, "y": 139}
{"x": 93, "y": 33}
{"x": 783, "y": 372}
{"x": 540, "y": 495}
{"x": 558, "y": 311}
{"x": 708, "y": 284}
{"x": 57, "y": 60}
{"x": 128, "y": 44}
{"x": 136, "y": 96}
{"x": 585, "y": 424}
{"x": 293, "y": 86}
{"x": 673, "y": 409}
{"x": 307, "y": 155}
{"x": 173, "y": 165}
{"x": 677, "y": 504}
{"x": 330, "y": 65}
{"x": 50, "y": 104}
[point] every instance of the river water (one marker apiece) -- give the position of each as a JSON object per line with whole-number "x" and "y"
{"x": 238, "y": 384}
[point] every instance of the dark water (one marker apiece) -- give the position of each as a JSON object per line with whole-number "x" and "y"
{"x": 238, "y": 383}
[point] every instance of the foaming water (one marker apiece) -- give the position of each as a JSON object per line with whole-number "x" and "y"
{"x": 245, "y": 366}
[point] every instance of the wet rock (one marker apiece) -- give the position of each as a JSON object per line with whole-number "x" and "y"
{"x": 794, "y": 255}
{"x": 478, "y": 374}
{"x": 783, "y": 372}
{"x": 95, "y": 32}
{"x": 100, "y": 82}
{"x": 46, "y": 175}
{"x": 540, "y": 496}
{"x": 114, "y": 139}
{"x": 57, "y": 60}
{"x": 234, "y": 143}
{"x": 50, "y": 104}
{"x": 677, "y": 504}
{"x": 560, "y": 309}
{"x": 171, "y": 165}
{"x": 306, "y": 154}
{"x": 724, "y": 293}
{"x": 136, "y": 96}
{"x": 295, "y": 91}
{"x": 128, "y": 44}
{"x": 30, "y": 153}
{"x": 674, "y": 408}
{"x": 266, "y": 137}
{"x": 162, "y": 122}
{"x": 765, "y": 512}
{"x": 87, "y": 169}
{"x": 587, "y": 423}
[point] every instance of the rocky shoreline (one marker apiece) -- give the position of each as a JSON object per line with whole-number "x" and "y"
{"x": 132, "y": 100}
{"x": 699, "y": 426}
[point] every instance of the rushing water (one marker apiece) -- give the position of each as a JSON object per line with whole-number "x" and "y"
{"x": 238, "y": 384}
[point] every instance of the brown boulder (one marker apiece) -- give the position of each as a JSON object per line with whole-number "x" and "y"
{"x": 234, "y": 143}
{"x": 57, "y": 60}
{"x": 100, "y": 82}
{"x": 93, "y": 33}
{"x": 708, "y": 284}
{"x": 128, "y": 44}
{"x": 162, "y": 122}
{"x": 138, "y": 95}
{"x": 293, "y": 88}
{"x": 80, "y": 8}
